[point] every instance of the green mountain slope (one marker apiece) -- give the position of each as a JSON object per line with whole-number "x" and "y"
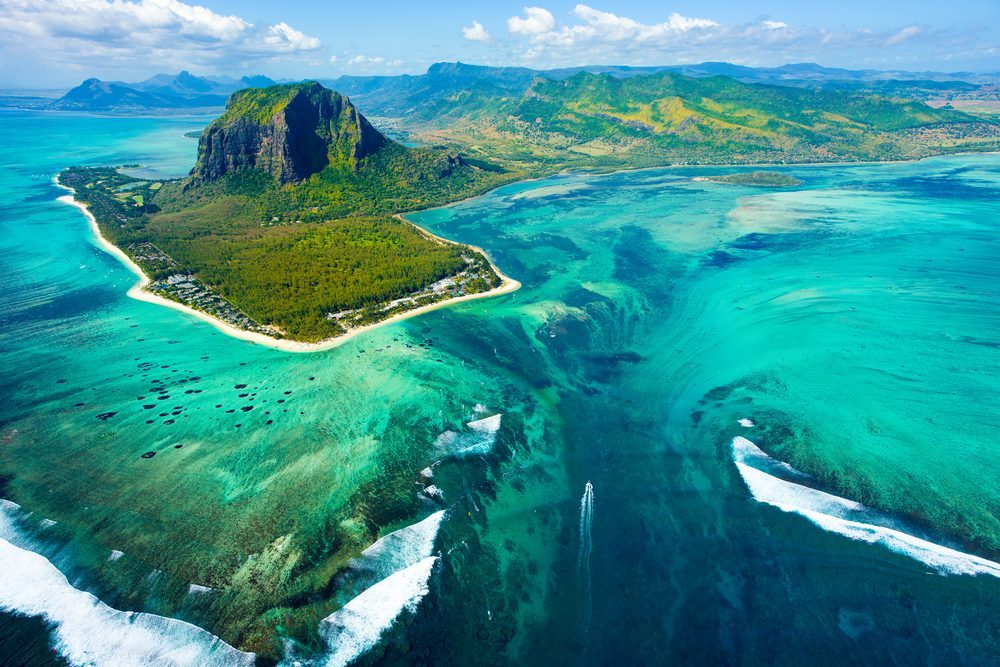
{"x": 291, "y": 131}
{"x": 666, "y": 118}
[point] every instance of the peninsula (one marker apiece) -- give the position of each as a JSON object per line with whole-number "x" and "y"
{"x": 287, "y": 230}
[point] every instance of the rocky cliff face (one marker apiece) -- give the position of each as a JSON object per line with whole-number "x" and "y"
{"x": 289, "y": 131}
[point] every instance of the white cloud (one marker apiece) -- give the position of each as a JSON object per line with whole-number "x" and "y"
{"x": 903, "y": 35}
{"x": 362, "y": 59}
{"x": 592, "y": 35}
{"x": 283, "y": 38}
{"x": 536, "y": 21}
{"x": 475, "y": 32}
{"x": 118, "y": 32}
{"x": 597, "y": 26}
{"x": 334, "y": 59}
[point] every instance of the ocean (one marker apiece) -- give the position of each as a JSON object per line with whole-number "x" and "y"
{"x": 717, "y": 424}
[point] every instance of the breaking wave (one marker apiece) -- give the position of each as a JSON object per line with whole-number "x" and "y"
{"x": 480, "y": 441}
{"x": 87, "y": 631}
{"x": 846, "y": 517}
{"x": 396, "y": 551}
{"x": 389, "y": 577}
{"x": 357, "y": 626}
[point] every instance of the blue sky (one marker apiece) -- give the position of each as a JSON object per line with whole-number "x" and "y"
{"x": 52, "y": 43}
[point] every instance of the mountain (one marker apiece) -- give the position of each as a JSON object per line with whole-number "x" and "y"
{"x": 159, "y": 92}
{"x": 606, "y": 120}
{"x": 408, "y": 94}
{"x": 429, "y": 94}
{"x": 290, "y": 131}
{"x": 316, "y": 142}
{"x": 900, "y": 83}
{"x": 94, "y": 94}
{"x": 256, "y": 81}
{"x": 182, "y": 84}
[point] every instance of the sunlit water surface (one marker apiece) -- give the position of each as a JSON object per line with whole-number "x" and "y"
{"x": 853, "y": 323}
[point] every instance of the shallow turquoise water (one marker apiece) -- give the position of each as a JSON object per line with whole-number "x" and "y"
{"x": 854, "y": 320}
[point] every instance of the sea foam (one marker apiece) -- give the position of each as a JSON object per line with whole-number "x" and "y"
{"x": 392, "y": 576}
{"x": 847, "y": 517}
{"x": 398, "y": 550}
{"x": 357, "y": 626}
{"x": 87, "y": 631}
{"x": 479, "y": 441}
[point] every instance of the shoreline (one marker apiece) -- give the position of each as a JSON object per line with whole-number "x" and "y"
{"x": 507, "y": 284}
{"x": 139, "y": 293}
{"x": 598, "y": 173}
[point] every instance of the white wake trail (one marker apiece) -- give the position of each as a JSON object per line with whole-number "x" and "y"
{"x": 586, "y": 546}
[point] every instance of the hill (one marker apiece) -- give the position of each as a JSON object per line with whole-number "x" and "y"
{"x": 604, "y": 120}
{"x": 94, "y": 94}
{"x": 285, "y": 225}
{"x": 420, "y": 95}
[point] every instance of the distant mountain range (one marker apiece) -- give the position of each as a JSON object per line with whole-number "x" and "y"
{"x": 163, "y": 91}
{"x": 603, "y": 120}
{"x": 422, "y": 93}
{"x": 404, "y": 95}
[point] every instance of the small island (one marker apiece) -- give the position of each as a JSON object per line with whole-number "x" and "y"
{"x": 288, "y": 230}
{"x": 763, "y": 179}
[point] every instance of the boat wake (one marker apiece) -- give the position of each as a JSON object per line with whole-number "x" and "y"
{"x": 765, "y": 477}
{"x": 586, "y": 546}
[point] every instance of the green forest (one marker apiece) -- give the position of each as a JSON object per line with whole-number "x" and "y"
{"x": 283, "y": 274}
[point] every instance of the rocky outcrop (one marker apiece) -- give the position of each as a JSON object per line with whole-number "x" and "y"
{"x": 290, "y": 132}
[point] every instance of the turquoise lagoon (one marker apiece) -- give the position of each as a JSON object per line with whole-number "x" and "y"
{"x": 853, "y": 515}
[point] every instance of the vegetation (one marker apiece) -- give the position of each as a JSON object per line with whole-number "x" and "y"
{"x": 602, "y": 121}
{"x": 306, "y": 259}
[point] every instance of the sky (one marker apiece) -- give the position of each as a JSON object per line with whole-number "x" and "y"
{"x": 57, "y": 43}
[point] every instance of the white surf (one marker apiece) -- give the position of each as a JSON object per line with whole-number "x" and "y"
{"x": 479, "y": 441}
{"x": 847, "y": 517}
{"x": 357, "y": 626}
{"x": 398, "y": 550}
{"x": 85, "y": 630}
